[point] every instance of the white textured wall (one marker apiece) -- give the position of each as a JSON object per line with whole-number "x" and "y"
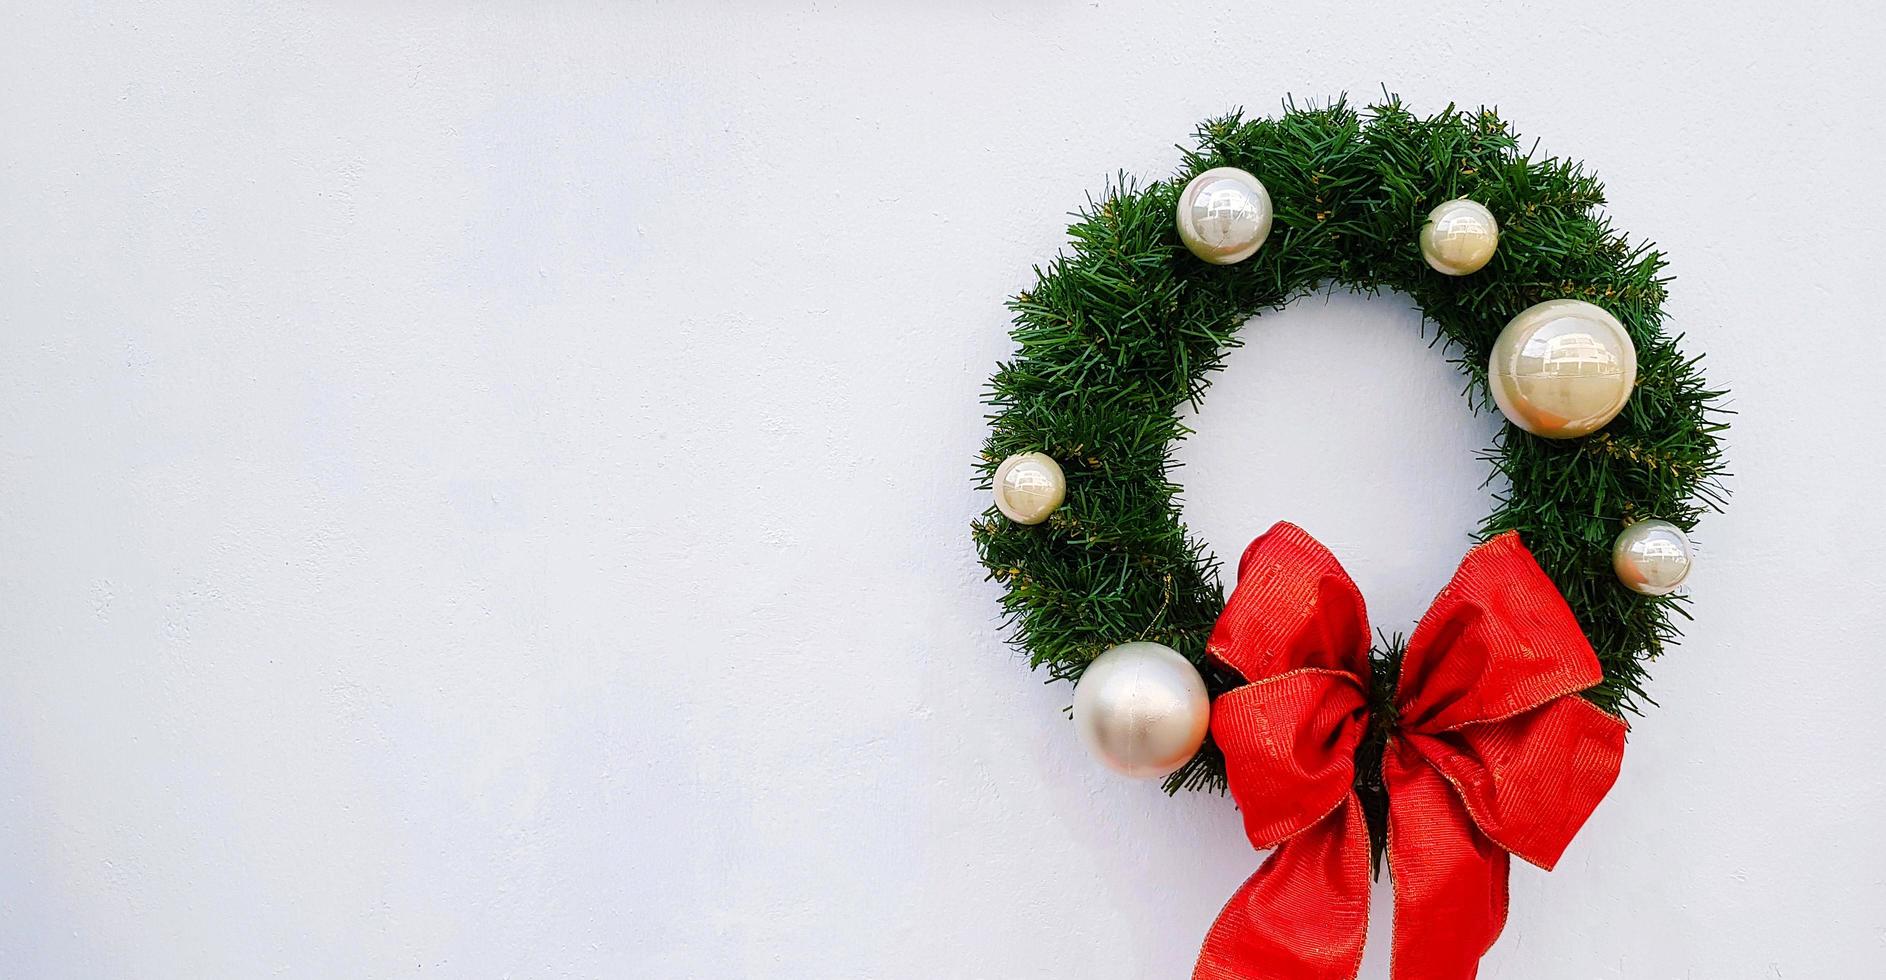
{"x": 483, "y": 487}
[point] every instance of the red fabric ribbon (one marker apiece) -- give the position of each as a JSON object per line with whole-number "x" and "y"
{"x": 1492, "y": 753}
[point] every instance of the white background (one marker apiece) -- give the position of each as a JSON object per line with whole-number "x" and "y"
{"x": 484, "y": 487}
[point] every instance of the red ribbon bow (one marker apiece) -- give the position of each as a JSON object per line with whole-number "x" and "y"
{"x": 1492, "y": 753}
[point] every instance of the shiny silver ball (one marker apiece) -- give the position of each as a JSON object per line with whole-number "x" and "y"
{"x": 1141, "y": 709}
{"x": 1028, "y": 487}
{"x": 1562, "y": 369}
{"x": 1652, "y": 557}
{"x": 1224, "y": 215}
{"x": 1459, "y": 237}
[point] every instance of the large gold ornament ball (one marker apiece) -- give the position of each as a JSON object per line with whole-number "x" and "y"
{"x": 1459, "y": 237}
{"x": 1562, "y": 369}
{"x": 1224, "y": 214}
{"x": 1652, "y": 557}
{"x": 1028, "y": 487}
{"x": 1141, "y": 709}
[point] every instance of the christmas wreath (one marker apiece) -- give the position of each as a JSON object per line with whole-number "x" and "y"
{"x": 1497, "y": 726}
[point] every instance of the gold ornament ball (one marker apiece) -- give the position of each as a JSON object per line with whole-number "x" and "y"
{"x": 1028, "y": 487}
{"x": 1141, "y": 709}
{"x": 1460, "y": 237}
{"x": 1652, "y": 557}
{"x": 1224, "y": 215}
{"x": 1562, "y": 369}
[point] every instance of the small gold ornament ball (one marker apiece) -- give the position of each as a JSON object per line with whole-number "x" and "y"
{"x": 1141, "y": 709}
{"x": 1460, "y": 237}
{"x": 1028, "y": 487}
{"x": 1224, "y": 215}
{"x": 1652, "y": 557}
{"x": 1562, "y": 369}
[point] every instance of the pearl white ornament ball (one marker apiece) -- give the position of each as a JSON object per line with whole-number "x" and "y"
{"x": 1652, "y": 557}
{"x": 1460, "y": 237}
{"x": 1224, "y": 215}
{"x": 1141, "y": 709}
{"x": 1562, "y": 369}
{"x": 1028, "y": 487}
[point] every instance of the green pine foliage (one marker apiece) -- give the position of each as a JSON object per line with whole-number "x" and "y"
{"x": 1125, "y": 329}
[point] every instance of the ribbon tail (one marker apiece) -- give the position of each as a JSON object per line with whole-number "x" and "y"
{"x": 1450, "y": 880}
{"x": 1304, "y": 914}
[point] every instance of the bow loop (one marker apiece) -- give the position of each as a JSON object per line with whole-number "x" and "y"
{"x": 1529, "y": 782}
{"x": 1498, "y": 640}
{"x": 1294, "y": 738}
{"x": 1294, "y": 607}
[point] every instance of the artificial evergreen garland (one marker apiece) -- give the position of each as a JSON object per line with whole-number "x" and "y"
{"x": 1116, "y": 336}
